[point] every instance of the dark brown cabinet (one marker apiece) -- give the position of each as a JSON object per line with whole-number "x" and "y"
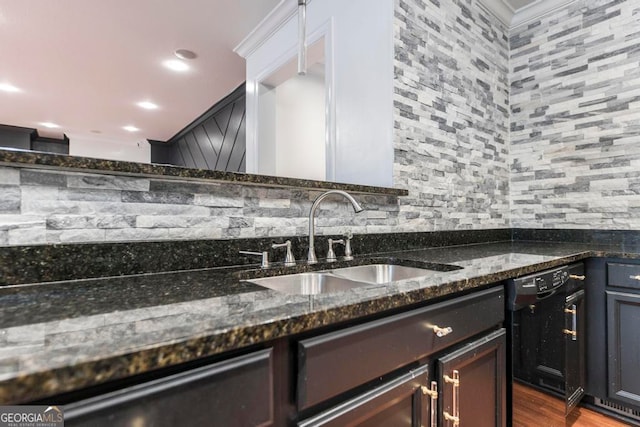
{"x": 613, "y": 305}
{"x": 465, "y": 387}
{"x": 236, "y": 392}
{"x": 460, "y": 380}
{"x": 403, "y": 402}
{"x": 473, "y": 383}
{"x": 623, "y": 318}
{"x": 333, "y": 363}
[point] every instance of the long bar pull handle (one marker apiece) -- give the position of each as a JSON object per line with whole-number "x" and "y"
{"x": 573, "y": 311}
{"x": 455, "y": 380}
{"x": 578, "y": 277}
{"x": 433, "y": 395}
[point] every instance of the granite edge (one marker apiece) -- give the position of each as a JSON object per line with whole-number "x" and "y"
{"x": 26, "y": 159}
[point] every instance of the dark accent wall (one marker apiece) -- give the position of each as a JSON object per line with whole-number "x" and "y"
{"x": 51, "y": 145}
{"x": 214, "y": 141}
{"x": 28, "y": 139}
{"x": 16, "y": 137}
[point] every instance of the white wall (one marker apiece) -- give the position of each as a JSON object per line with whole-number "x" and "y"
{"x": 359, "y": 85}
{"x": 300, "y": 124}
{"x": 266, "y": 152}
{"x": 103, "y": 148}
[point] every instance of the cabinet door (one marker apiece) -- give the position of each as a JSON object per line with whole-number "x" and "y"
{"x": 623, "y": 318}
{"x": 236, "y": 392}
{"x": 575, "y": 350}
{"x": 540, "y": 327}
{"x": 473, "y": 383}
{"x": 408, "y": 401}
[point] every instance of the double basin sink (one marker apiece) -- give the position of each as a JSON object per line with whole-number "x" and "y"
{"x": 343, "y": 279}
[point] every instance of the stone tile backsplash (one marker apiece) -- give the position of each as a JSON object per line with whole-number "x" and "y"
{"x": 43, "y": 206}
{"x": 575, "y": 118}
{"x": 451, "y": 115}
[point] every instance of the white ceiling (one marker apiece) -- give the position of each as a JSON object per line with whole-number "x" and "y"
{"x": 84, "y": 64}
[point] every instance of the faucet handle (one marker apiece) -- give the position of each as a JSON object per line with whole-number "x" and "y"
{"x": 264, "y": 255}
{"x": 289, "y": 259}
{"x": 331, "y": 255}
{"x": 348, "y": 256}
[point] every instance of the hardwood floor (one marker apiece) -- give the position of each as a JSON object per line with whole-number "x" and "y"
{"x": 532, "y": 408}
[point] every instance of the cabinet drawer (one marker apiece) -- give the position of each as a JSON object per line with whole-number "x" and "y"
{"x": 398, "y": 403}
{"x": 236, "y": 392}
{"x": 336, "y": 362}
{"x": 623, "y": 275}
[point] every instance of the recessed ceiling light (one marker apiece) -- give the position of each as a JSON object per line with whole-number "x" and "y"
{"x": 147, "y": 105}
{"x": 176, "y": 65}
{"x": 49, "y": 125}
{"x": 185, "y": 54}
{"x": 131, "y": 128}
{"x": 7, "y": 87}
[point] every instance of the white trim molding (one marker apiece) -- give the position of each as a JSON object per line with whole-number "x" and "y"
{"x": 536, "y": 10}
{"x": 502, "y": 10}
{"x": 267, "y": 27}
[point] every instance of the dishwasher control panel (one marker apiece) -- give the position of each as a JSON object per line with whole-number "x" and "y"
{"x": 529, "y": 289}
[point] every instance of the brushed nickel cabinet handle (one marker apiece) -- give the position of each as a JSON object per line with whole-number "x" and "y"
{"x": 455, "y": 380}
{"x": 580, "y": 276}
{"x": 433, "y": 396}
{"x": 441, "y": 332}
{"x": 573, "y": 311}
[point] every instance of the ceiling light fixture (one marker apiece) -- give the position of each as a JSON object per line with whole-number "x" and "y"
{"x": 147, "y": 105}
{"x": 7, "y": 87}
{"x": 130, "y": 128}
{"x": 176, "y": 65}
{"x": 185, "y": 54}
{"x": 49, "y": 125}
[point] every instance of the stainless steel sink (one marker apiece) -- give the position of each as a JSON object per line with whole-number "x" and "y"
{"x": 380, "y": 273}
{"x": 308, "y": 283}
{"x": 342, "y": 279}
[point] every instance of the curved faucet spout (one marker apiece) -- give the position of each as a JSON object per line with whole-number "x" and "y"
{"x": 311, "y": 257}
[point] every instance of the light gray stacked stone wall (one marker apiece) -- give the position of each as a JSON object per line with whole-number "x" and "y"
{"x": 451, "y": 115}
{"x": 42, "y": 206}
{"x": 575, "y": 124}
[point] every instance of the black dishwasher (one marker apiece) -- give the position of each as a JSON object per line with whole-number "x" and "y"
{"x": 545, "y": 316}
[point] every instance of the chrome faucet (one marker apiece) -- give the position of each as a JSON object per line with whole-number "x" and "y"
{"x": 311, "y": 257}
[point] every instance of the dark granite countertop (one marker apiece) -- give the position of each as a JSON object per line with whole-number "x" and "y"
{"x": 61, "y": 336}
{"x": 24, "y": 158}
